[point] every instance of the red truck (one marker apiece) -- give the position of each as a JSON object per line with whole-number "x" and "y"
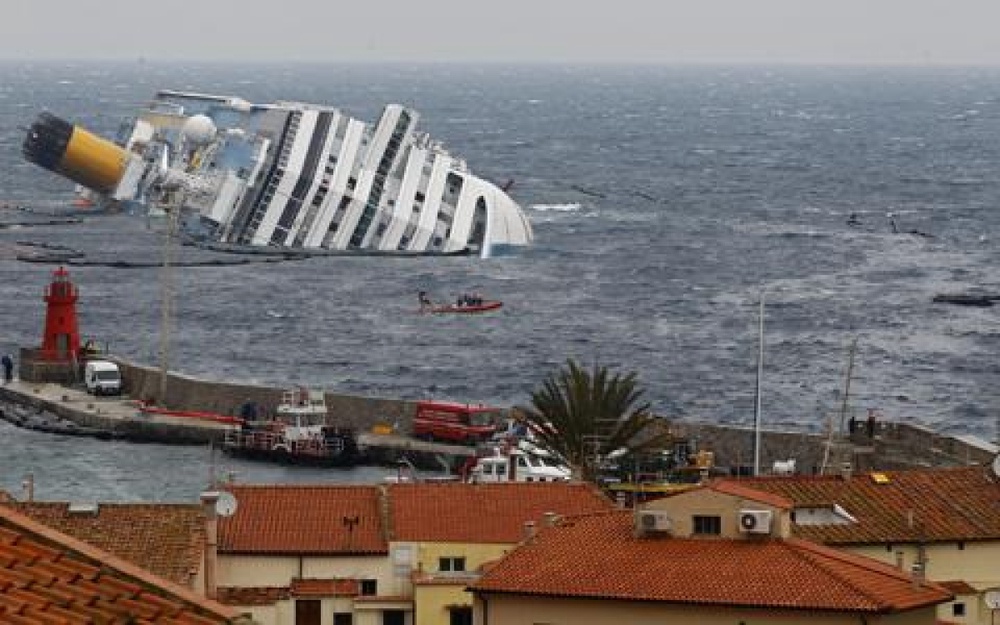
{"x": 454, "y": 422}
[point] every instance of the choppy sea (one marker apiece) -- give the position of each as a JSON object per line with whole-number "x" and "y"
{"x": 666, "y": 202}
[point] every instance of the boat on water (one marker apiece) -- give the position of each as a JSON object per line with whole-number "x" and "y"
{"x": 465, "y": 309}
{"x": 465, "y": 304}
{"x": 517, "y": 461}
{"x": 298, "y": 435}
{"x": 286, "y": 175}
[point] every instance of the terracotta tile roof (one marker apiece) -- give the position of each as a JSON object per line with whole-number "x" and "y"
{"x": 959, "y": 587}
{"x": 49, "y": 577}
{"x": 599, "y": 556}
{"x": 325, "y": 588}
{"x": 733, "y": 487}
{"x": 165, "y": 539}
{"x": 252, "y": 595}
{"x": 945, "y": 504}
{"x": 296, "y": 519}
{"x": 483, "y": 513}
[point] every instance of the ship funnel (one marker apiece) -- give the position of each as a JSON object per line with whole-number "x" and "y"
{"x": 71, "y": 151}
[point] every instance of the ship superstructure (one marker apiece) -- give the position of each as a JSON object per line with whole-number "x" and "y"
{"x": 288, "y": 174}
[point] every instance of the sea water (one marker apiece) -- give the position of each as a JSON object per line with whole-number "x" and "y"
{"x": 666, "y": 202}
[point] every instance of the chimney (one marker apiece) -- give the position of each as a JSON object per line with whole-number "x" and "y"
{"x": 899, "y": 560}
{"x": 208, "y": 501}
{"x": 917, "y": 574}
{"x": 845, "y": 470}
{"x": 29, "y": 487}
{"x": 529, "y": 530}
{"x": 550, "y": 519}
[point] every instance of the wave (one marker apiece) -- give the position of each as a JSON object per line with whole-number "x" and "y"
{"x": 568, "y": 207}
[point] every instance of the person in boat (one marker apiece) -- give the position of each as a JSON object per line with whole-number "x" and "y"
{"x": 425, "y": 302}
{"x": 853, "y": 220}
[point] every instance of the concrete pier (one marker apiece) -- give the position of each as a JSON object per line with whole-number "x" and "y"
{"x": 891, "y": 445}
{"x": 120, "y": 418}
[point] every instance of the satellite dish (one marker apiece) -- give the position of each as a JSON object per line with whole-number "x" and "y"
{"x": 992, "y": 599}
{"x": 226, "y": 504}
{"x": 996, "y": 466}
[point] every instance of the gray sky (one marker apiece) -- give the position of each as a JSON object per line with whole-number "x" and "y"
{"x": 646, "y": 31}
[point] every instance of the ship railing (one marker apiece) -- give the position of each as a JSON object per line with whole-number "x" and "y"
{"x": 273, "y": 441}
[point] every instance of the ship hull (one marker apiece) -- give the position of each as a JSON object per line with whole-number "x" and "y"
{"x": 342, "y": 460}
{"x": 289, "y": 175}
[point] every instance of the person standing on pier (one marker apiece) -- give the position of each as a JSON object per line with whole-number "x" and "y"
{"x": 8, "y": 368}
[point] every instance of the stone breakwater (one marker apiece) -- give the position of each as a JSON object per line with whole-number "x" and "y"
{"x": 889, "y": 445}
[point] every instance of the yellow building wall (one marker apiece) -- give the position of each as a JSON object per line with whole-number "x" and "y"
{"x": 250, "y": 571}
{"x": 521, "y": 610}
{"x": 429, "y": 554}
{"x": 706, "y": 502}
{"x": 976, "y": 564}
{"x": 245, "y": 571}
{"x": 431, "y": 600}
{"x": 283, "y": 612}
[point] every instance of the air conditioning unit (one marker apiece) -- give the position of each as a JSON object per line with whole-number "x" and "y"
{"x": 654, "y": 521}
{"x": 755, "y": 521}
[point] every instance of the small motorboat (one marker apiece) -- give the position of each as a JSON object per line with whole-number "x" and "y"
{"x": 481, "y": 307}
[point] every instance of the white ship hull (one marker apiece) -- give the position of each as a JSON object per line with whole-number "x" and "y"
{"x": 293, "y": 175}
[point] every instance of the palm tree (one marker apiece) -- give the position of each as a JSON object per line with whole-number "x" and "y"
{"x": 580, "y": 417}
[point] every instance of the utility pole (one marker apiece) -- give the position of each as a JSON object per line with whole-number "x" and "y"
{"x": 757, "y": 393}
{"x": 167, "y": 296}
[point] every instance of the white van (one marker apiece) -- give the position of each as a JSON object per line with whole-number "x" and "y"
{"x": 103, "y": 378}
{"x": 525, "y": 468}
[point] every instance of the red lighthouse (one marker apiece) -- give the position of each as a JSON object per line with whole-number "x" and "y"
{"x": 62, "y": 333}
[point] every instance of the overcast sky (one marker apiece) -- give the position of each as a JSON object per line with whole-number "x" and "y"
{"x": 644, "y": 31}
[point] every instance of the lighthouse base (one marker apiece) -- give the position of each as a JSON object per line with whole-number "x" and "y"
{"x": 35, "y": 365}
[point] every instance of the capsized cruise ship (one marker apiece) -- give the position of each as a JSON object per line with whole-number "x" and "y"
{"x": 287, "y": 174}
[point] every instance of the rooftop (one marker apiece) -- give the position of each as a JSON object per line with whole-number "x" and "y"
{"x": 165, "y": 539}
{"x": 483, "y": 513}
{"x": 599, "y": 556}
{"x": 356, "y": 519}
{"x": 49, "y": 577}
{"x": 297, "y": 519}
{"x": 915, "y": 505}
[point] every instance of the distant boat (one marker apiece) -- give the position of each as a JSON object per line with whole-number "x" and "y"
{"x": 966, "y": 299}
{"x": 465, "y": 309}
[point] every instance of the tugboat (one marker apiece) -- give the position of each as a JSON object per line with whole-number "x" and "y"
{"x": 299, "y": 435}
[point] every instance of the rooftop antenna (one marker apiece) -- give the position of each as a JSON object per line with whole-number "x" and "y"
{"x": 757, "y": 393}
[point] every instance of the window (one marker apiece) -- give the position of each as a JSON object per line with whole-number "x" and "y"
{"x": 958, "y": 609}
{"x": 451, "y": 565}
{"x": 307, "y": 612}
{"x": 343, "y": 618}
{"x": 707, "y": 525}
{"x": 369, "y": 587}
{"x": 460, "y": 615}
{"x": 393, "y": 617}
